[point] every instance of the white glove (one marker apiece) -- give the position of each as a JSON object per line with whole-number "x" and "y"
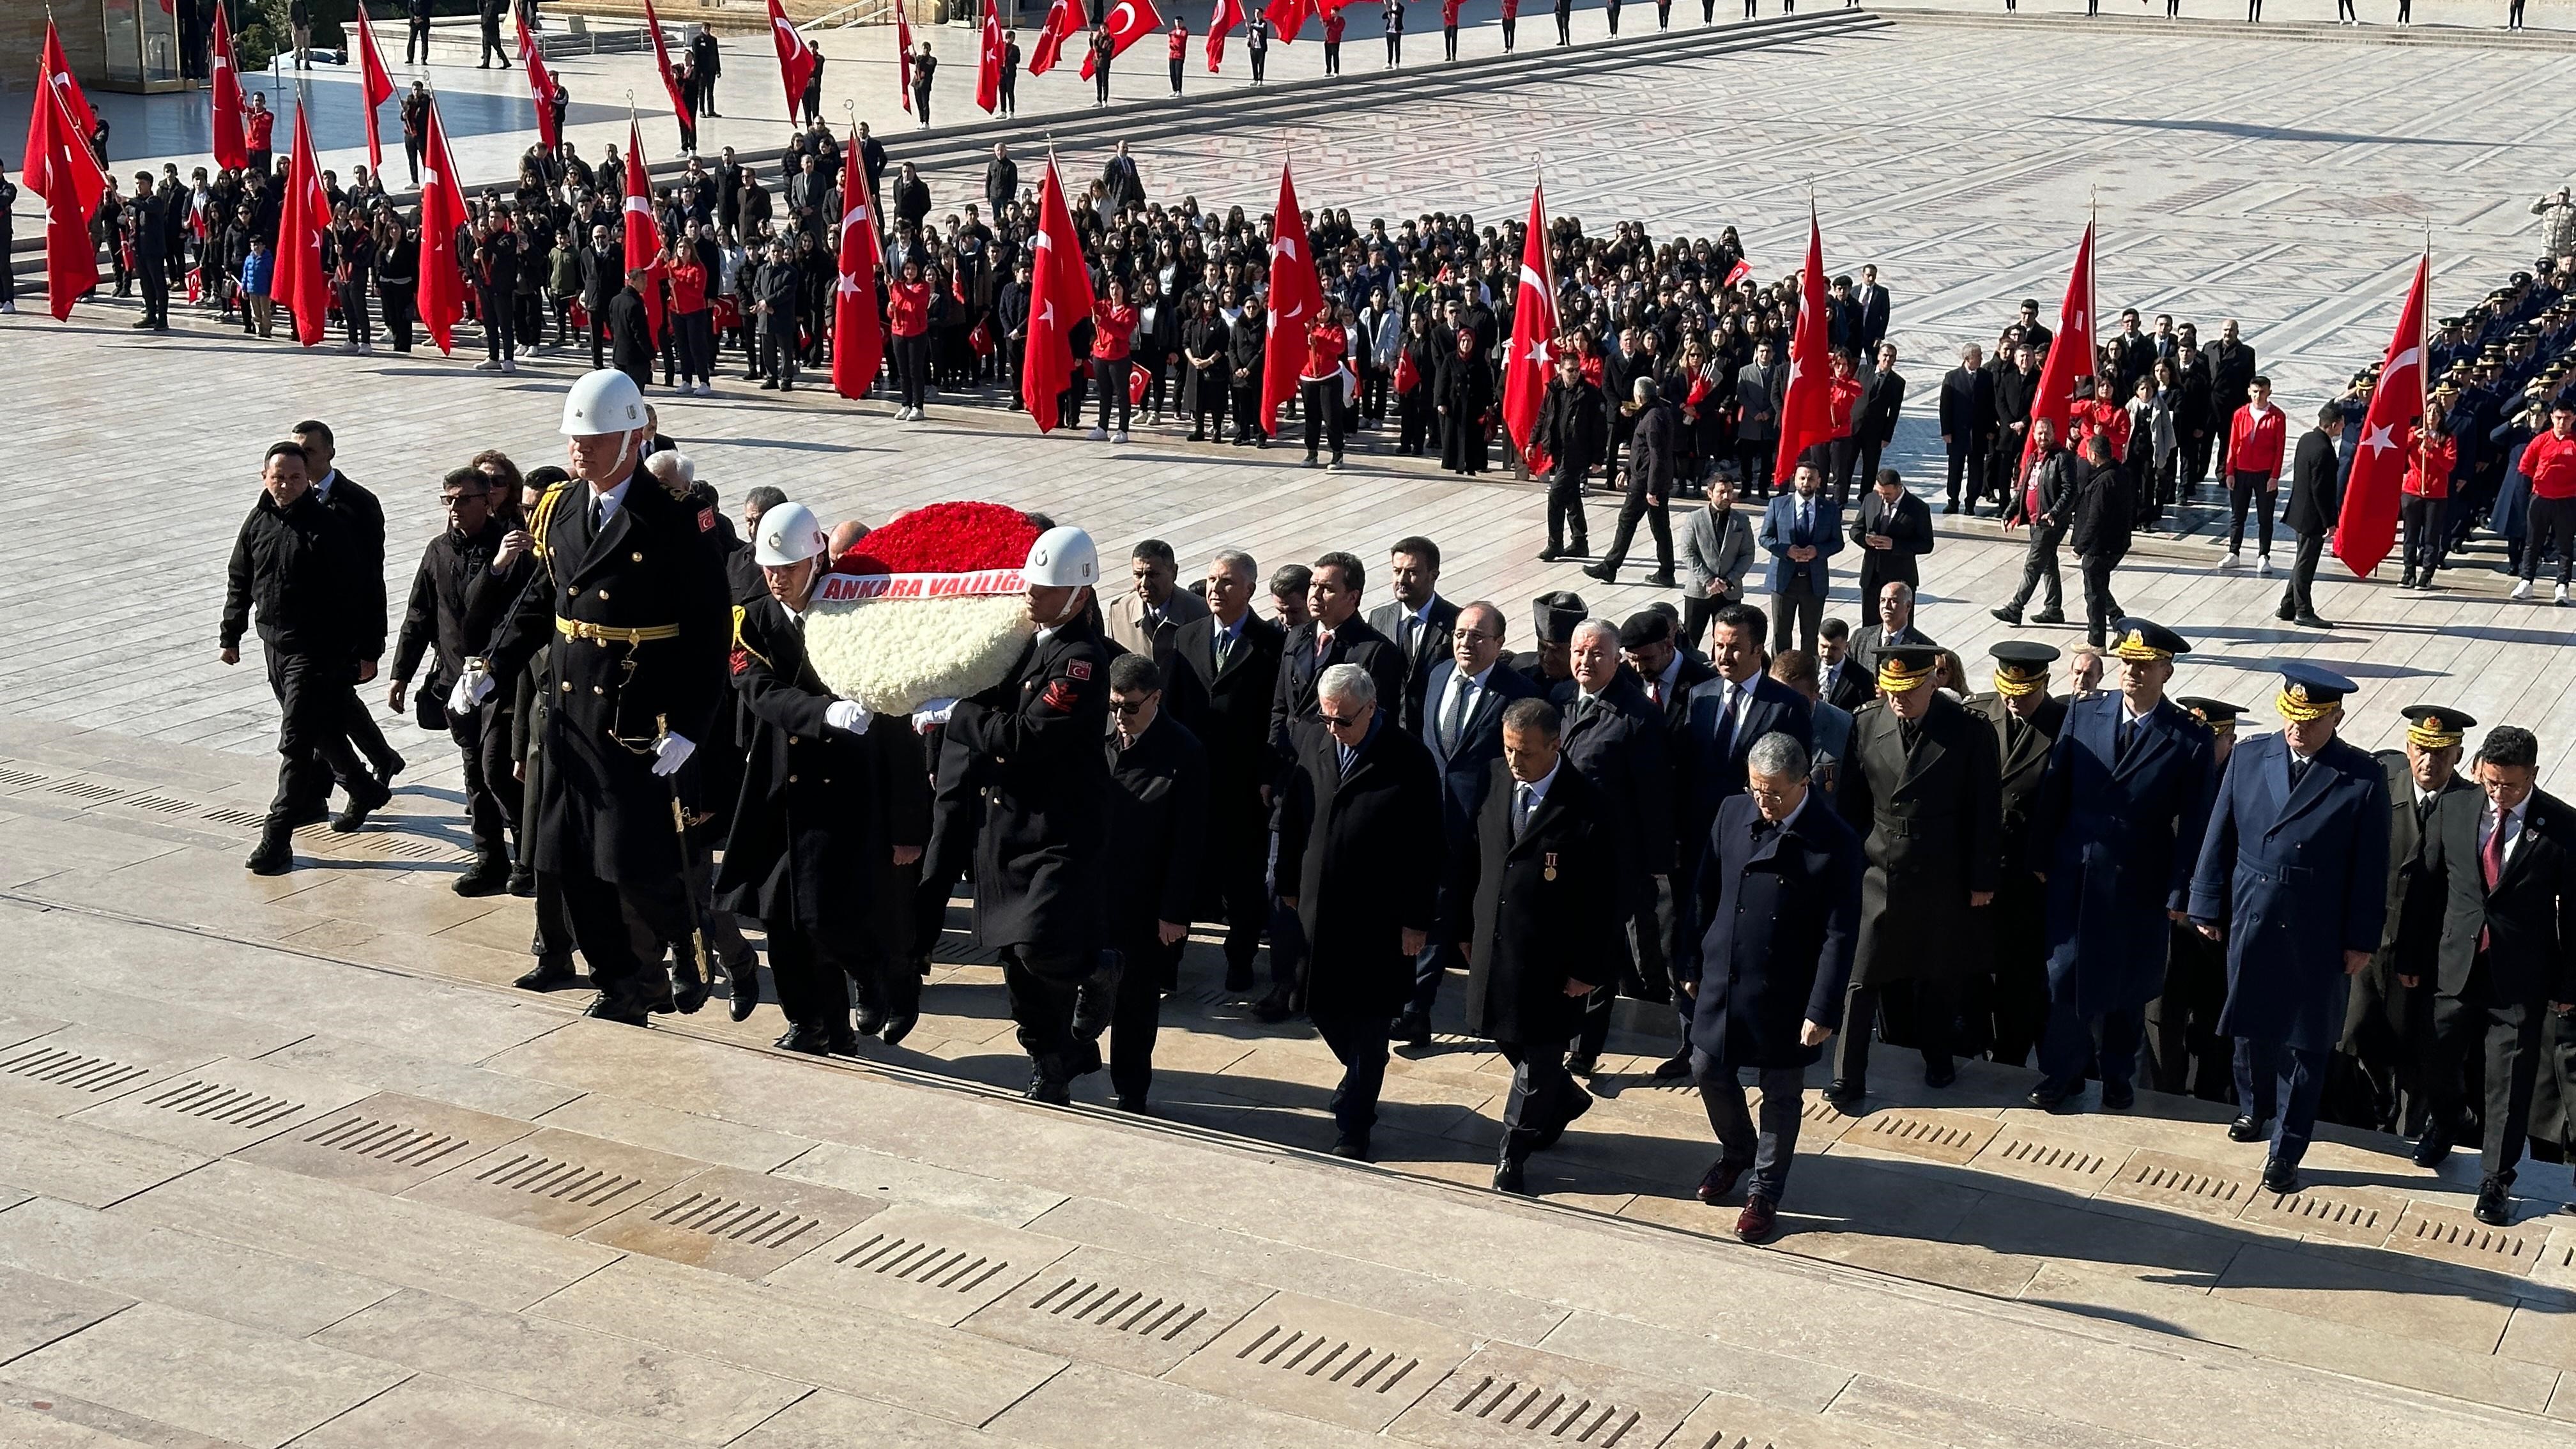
{"x": 671, "y": 752}
{"x": 933, "y": 712}
{"x": 470, "y": 688}
{"x": 842, "y": 714}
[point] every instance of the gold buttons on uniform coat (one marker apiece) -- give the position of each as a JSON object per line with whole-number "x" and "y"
{"x": 635, "y": 557}
{"x": 603, "y": 593}
{"x": 791, "y": 739}
{"x": 791, "y": 779}
{"x": 596, "y": 689}
{"x": 567, "y": 686}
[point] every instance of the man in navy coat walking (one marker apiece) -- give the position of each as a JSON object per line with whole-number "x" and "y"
{"x": 2293, "y": 877}
{"x": 1778, "y": 891}
{"x": 2115, "y": 836}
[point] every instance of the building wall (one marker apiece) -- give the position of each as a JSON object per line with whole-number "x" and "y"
{"x": 22, "y": 34}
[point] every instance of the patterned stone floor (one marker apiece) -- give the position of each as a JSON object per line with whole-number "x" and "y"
{"x": 187, "y": 1253}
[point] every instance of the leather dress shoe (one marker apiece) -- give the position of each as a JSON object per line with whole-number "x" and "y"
{"x": 1354, "y": 1148}
{"x": 2312, "y": 621}
{"x": 489, "y": 876}
{"x": 2280, "y": 1177}
{"x": 814, "y": 1041}
{"x": 1583, "y": 1064}
{"x": 689, "y": 985}
{"x": 1843, "y": 1094}
{"x": 2048, "y": 1097}
{"x": 621, "y": 1010}
{"x": 2495, "y": 1207}
{"x": 1508, "y": 1178}
{"x": 523, "y": 883}
{"x": 2048, "y": 616}
{"x": 1276, "y": 1007}
{"x": 743, "y": 994}
{"x": 899, "y": 1025}
{"x": 1096, "y": 999}
{"x": 275, "y": 854}
{"x": 2432, "y": 1147}
{"x": 360, "y": 805}
{"x": 2119, "y": 1096}
{"x": 551, "y": 973}
{"x": 1412, "y": 1029}
{"x": 1719, "y": 1180}
{"x": 1940, "y": 1074}
{"x": 1238, "y": 979}
{"x": 1547, "y": 1139}
{"x": 1134, "y": 1105}
{"x": 1755, "y": 1223}
{"x": 2249, "y": 1129}
{"x": 1054, "y": 1093}
{"x": 840, "y": 1041}
{"x": 1674, "y": 1067}
{"x": 872, "y": 1019}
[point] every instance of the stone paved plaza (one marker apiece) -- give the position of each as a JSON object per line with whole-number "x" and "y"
{"x": 282, "y": 1160}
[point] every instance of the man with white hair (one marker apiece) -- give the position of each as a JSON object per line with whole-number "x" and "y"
{"x": 1041, "y": 854}
{"x": 1360, "y": 857}
{"x": 631, "y": 604}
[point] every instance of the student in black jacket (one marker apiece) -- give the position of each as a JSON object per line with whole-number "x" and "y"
{"x": 2315, "y": 504}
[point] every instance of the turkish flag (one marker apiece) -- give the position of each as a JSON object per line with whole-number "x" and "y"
{"x": 1227, "y": 18}
{"x": 1533, "y": 355}
{"x": 375, "y": 84}
{"x": 662, "y": 62}
{"x": 643, "y": 237}
{"x": 2070, "y": 356}
{"x": 795, "y": 57}
{"x": 1742, "y": 270}
{"x": 1286, "y": 16}
{"x": 541, "y": 80}
{"x": 1059, "y": 27}
{"x": 988, "y": 62}
{"x": 1059, "y": 296}
{"x": 1296, "y": 300}
{"x": 441, "y": 300}
{"x": 858, "y": 336}
{"x": 56, "y": 72}
{"x": 300, "y": 283}
{"x": 223, "y": 90}
{"x": 1806, "y": 407}
{"x": 1407, "y": 376}
{"x": 1129, "y": 21}
{"x": 903, "y": 55}
{"x": 2367, "y": 525}
{"x": 67, "y": 175}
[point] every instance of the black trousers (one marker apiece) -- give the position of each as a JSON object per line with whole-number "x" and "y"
{"x": 1449, "y": 40}
{"x": 416, "y": 43}
{"x": 1111, "y": 373}
{"x": 1968, "y": 463}
{"x": 1842, "y": 456}
{"x": 2039, "y": 570}
{"x": 1042, "y": 990}
{"x": 912, "y": 368}
{"x": 1805, "y": 608}
{"x": 1207, "y": 412}
{"x": 1136, "y": 1018}
{"x": 1542, "y": 1093}
{"x": 2299, "y": 595}
{"x": 1564, "y": 27}
{"x": 1176, "y": 75}
{"x": 1332, "y": 57}
{"x": 1769, "y": 1150}
{"x": 812, "y": 976}
{"x": 1565, "y": 521}
{"x": 2017, "y": 1001}
{"x": 2552, "y": 529}
{"x": 482, "y": 737}
{"x": 2100, "y": 609}
{"x": 2390, "y": 1028}
{"x": 1754, "y": 459}
{"x": 1658, "y": 515}
{"x": 1323, "y": 409}
{"x": 2423, "y": 518}
{"x": 1934, "y": 1003}
{"x": 1238, "y": 862}
{"x": 1359, "y": 1044}
{"x": 2249, "y": 491}
{"x": 1260, "y": 58}
{"x": 492, "y": 46}
{"x": 778, "y": 342}
{"x": 396, "y": 299}
{"x": 605, "y": 917}
{"x": 1696, "y": 614}
{"x": 1247, "y": 416}
{"x": 155, "y": 277}
{"x": 1010, "y": 93}
{"x": 2075, "y": 1044}
{"x": 500, "y": 325}
{"x": 315, "y": 695}
{"x": 2183, "y": 1048}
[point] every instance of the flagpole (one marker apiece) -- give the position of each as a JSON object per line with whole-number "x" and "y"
{"x": 2092, "y": 312}
{"x": 2424, "y": 354}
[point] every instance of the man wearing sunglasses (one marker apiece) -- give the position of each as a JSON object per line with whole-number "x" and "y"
{"x": 1360, "y": 848}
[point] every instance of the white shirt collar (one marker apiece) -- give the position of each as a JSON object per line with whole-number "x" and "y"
{"x": 1672, "y": 671}
{"x": 1538, "y": 788}
{"x": 322, "y": 485}
{"x": 613, "y": 499}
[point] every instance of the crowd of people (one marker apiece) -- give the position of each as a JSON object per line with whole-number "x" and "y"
{"x": 1799, "y": 849}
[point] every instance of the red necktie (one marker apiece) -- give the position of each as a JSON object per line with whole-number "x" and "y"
{"x": 2491, "y": 862}
{"x": 1323, "y": 642}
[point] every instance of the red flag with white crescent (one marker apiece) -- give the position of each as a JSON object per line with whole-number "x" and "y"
{"x": 224, "y": 95}
{"x": 795, "y": 57}
{"x": 662, "y": 63}
{"x": 2070, "y": 355}
{"x": 858, "y": 335}
{"x": 375, "y": 85}
{"x": 2367, "y": 525}
{"x": 541, "y": 80}
{"x": 988, "y": 62}
{"x": 903, "y": 56}
{"x": 67, "y": 175}
{"x": 56, "y": 72}
{"x": 1286, "y": 16}
{"x": 643, "y": 235}
{"x": 442, "y": 215}
{"x": 301, "y": 285}
{"x": 1059, "y": 27}
{"x": 1296, "y": 300}
{"x": 1128, "y": 21}
{"x": 1534, "y": 326}
{"x": 1227, "y": 19}
{"x": 1806, "y": 404}
{"x": 1059, "y": 297}
{"x": 1742, "y": 270}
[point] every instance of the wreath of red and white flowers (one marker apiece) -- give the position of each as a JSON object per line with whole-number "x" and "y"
{"x": 930, "y": 606}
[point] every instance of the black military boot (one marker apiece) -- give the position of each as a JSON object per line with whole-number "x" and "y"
{"x": 365, "y": 799}
{"x": 275, "y": 854}
{"x": 489, "y": 875}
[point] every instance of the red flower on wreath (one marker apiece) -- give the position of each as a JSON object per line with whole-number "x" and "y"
{"x": 945, "y": 538}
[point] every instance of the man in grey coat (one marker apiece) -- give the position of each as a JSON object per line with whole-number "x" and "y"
{"x": 1715, "y": 551}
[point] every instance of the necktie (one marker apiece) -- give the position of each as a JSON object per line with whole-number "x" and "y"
{"x": 1655, "y": 692}
{"x": 2128, "y": 731}
{"x": 1323, "y": 642}
{"x": 1412, "y": 633}
{"x": 2298, "y": 770}
{"x": 1454, "y": 718}
{"x": 1345, "y": 755}
{"x": 1224, "y": 648}
{"x": 2491, "y": 862}
{"x": 1725, "y": 720}
{"x": 1806, "y": 518}
{"x": 598, "y": 513}
{"x": 1520, "y": 809}
{"x": 2424, "y": 810}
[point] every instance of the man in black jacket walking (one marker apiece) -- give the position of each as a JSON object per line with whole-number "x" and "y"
{"x": 294, "y": 559}
{"x": 2103, "y": 511}
{"x": 1158, "y": 782}
{"x": 2315, "y": 505}
{"x": 1652, "y": 454}
{"x": 1573, "y": 431}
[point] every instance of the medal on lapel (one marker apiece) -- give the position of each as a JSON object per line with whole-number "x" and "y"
{"x": 1548, "y": 871}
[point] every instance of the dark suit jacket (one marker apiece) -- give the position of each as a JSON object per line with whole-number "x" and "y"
{"x": 2313, "y": 501}
{"x": 1292, "y": 699}
{"x": 2525, "y": 924}
{"x": 1619, "y": 745}
{"x": 1544, "y": 909}
{"x": 1968, "y": 408}
{"x": 1852, "y": 688}
{"x": 1873, "y": 316}
{"x": 1431, "y": 645}
{"x": 1908, "y": 526}
{"x": 1229, "y": 710}
{"x": 1780, "y": 532}
{"x": 2023, "y": 763}
{"x": 1465, "y": 770}
{"x": 1882, "y": 397}
{"x": 1703, "y": 775}
{"x": 1865, "y": 649}
{"x": 1364, "y": 854}
{"x": 1930, "y": 819}
{"x": 1768, "y": 932}
{"x": 1157, "y": 818}
{"x": 2418, "y": 893}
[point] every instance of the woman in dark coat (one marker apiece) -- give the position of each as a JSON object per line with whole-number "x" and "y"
{"x": 1463, "y": 391}
{"x": 1414, "y": 408}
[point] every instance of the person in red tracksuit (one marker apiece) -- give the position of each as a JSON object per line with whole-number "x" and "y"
{"x": 1842, "y": 400}
{"x": 908, "y": 306}
{"x": 2430, "y": 453}
{"x": 1333, "y": 23}
{"x": 1180, "y": 37}
{"x": 1320, "y": 384}
{"x": 1511, "y": 16}
{"x": 2549, "y": 461}
{"x": 1449, "y": 27}
{"x": 1113, "y": 331}
{"x": 2256, "y": 440}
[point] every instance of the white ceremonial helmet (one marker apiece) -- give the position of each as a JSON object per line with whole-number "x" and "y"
{"x": 1062, "y": 558}
{"x": 787, "y": 535}
{"x": 606, "y": 401}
